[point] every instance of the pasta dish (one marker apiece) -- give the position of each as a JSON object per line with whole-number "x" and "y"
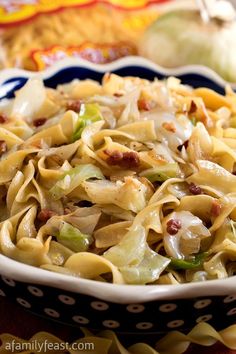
{"x": 129, "y": 181}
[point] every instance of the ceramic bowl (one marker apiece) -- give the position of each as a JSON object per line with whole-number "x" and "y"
{"x": 124, "y": 308}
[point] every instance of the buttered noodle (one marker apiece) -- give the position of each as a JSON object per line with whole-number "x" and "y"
{"x": 130, "y": 181}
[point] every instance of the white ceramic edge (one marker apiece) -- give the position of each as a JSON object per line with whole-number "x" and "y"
{"x": 7, "y": 74}
{"x": 113, "y": 292}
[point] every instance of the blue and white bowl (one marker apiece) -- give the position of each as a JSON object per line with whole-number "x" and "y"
{"x": 124, "y": 308}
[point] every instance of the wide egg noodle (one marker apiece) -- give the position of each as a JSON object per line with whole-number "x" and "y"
{"x": 213, "y": 175}
{"x": 12, "y": 163}
{"x": 10, "y": 138}
{"x": 23, "y": 249}
{"x": 53, "y": 162}
{"x": 107, "y": 341}
{"x": 21, "y": 189}
{"x": 49, "y": 176}
{"x": 140, "y": 131}
{"x": 26, "y": 227}
{"x": 223, "y": 154}
{"x": 19, "y": 128}
{"x": 164, "y": 189}
{"x": 89, "y": 266}
{"x": 58, "y": 134}
{"x": 45, "y": 199}
{"x": 150, "y": 217}
{"x": 110, "y": 235}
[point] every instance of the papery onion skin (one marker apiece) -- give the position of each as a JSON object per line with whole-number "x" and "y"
{"x": 181, "y": 38}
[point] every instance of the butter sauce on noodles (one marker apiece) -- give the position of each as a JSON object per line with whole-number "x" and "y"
{"x": 128, "y": 182}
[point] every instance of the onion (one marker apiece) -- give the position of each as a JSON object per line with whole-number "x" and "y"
{"x": 181, "y": 38}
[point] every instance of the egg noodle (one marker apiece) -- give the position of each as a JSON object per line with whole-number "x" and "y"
{"x": 33, "y": 45}
{"x": 129, "y": 181}
{"x": 107, "y": 341}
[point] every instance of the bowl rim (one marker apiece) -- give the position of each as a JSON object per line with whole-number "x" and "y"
{"x": 11, "y": 73}
{"x": 116, "y": 293}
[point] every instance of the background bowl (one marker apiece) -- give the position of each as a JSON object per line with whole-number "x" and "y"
{"x": 124, "y": 308}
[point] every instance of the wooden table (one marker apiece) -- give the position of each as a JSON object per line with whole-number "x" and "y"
{"x": 16, "y": 321}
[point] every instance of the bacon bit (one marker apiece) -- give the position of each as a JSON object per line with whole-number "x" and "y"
{"x": 45, "y": 214}
{"x": 3, "y": 147}
{"x": 3, "y": 118}
{"x": 185, "y": 144}
{"x": 173, "y": 226}
{"x": 115, "y": 155}
{"x": 144, "y": 105}
{"x": 193, "y": 107}
{"x": 195, "y": 190}
{"x": 169, "y": 126}
{"x": 215, "y": 208}
{"x": 117, "y": 94}
{"x": 129, "y": 159}
{"x": 40, "y": 121}
{"x": 74, "y": 105}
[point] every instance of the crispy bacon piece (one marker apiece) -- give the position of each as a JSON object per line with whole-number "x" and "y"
{"x": 192, "y": 108}
{"x": 145, "y": 105}
{"x": 45, "y": 214}
{"x": 3, "y": 147}
{"x": 3, "y": 118}
{"x": 173, "y": 226}
{"x": 128, "y": 159}
{"x": 195, "y": 190}
{"x": 40, "y": 121}
{"x": 74, "y": 105}
{"x": 169, "y": 126}
{"x": 215, "y": 208}
{"x": 117, "y": 94}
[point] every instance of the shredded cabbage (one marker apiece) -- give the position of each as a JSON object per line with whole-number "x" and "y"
{"x": 161, "y": 173}
{"x": 73, "y": 178}
{"x": 130, "y": 250}
{"x": 89, "y": 113}
{"x": 147, "y": 271}
{"x": 72, "y": 238}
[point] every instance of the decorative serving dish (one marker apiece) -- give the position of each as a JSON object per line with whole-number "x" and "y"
{"x": 123, "y": 308}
